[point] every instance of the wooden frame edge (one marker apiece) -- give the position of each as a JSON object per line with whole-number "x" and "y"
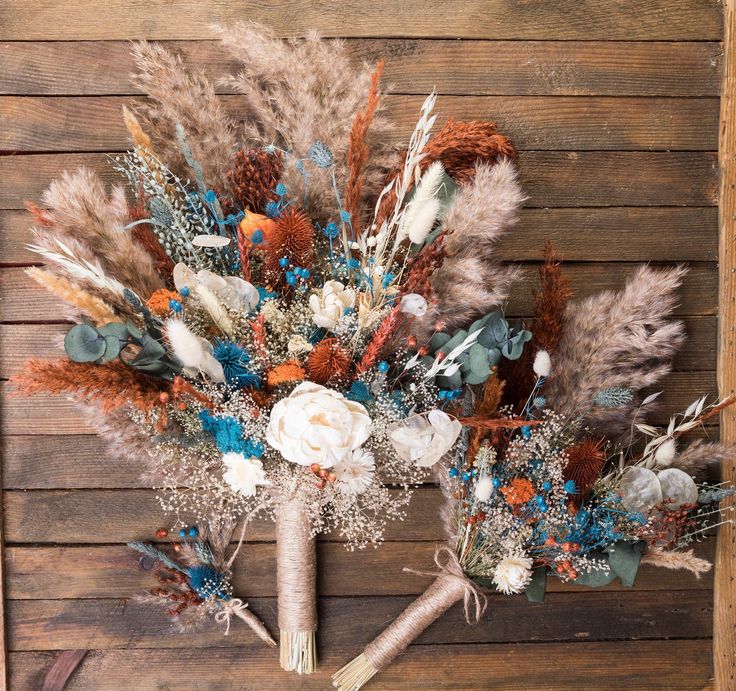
{"x": 724, "y": 605}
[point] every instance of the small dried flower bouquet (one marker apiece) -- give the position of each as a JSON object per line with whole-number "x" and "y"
{"x": 556, "y": 472}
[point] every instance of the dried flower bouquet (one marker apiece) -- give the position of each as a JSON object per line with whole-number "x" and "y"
{"x": 287, "y": 317}
{"x": 556, "y": 471}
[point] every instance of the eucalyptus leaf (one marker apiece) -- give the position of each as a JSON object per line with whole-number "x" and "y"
{"x": 624, "y": 558}
{"x": 116, "y": 329}
{"x": 438, "y": 341}
{"x": 112, "y": 348}
{"x": 84, "y": 344}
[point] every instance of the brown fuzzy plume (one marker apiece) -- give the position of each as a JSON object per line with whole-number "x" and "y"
{"x": 486, "y": 407}
{"x": 460, "y": 146}
{"x": 621, "y": 338}
{"x": 188, "y": 98}
{"x": 470, "y": 281}
{"x": 359, "y": 150}
{"x": 292, "y": 237}
{"x": 550, "y": 304}
{"x": 585, "y": 462}
{"x": 327, "y": 360}
{"x": 143, "y": 234}
{"x": 387, "y": 330}
{"x": 108, "y": 386}
{"x": 253, "y": 177}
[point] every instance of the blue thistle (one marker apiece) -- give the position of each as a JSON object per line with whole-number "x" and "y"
{"x": 235, "y": 363}
{"x": 207, "y": 582}
{"x": 320, "y": 154}
{"x": 614, "y": 397}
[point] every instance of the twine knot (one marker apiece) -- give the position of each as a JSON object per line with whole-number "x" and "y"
{"x": 450, "y": 567}
{"x": 232, "y": 607}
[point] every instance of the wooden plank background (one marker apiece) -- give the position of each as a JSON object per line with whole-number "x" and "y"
{"x": 614, "y": 104}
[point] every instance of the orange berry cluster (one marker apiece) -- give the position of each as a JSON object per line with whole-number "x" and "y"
{"x": 323, "y": 475}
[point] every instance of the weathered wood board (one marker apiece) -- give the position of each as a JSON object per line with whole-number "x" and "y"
{"x": 614, "y": 105}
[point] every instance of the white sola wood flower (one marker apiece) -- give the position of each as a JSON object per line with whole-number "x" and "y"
{"x": 355, "y": 472}
{"x": 424, "y": 439}
{"x": 330, "y": 305}
{"x": 315, "y": 424}
{"x": 512, "y": 574}
{"x": 243, "y": 474}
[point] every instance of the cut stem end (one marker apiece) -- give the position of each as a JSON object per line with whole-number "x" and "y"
{"x": 298, "y": 651}
{"x": 355, "y": 674}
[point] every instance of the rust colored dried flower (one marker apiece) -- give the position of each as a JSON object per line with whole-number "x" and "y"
{"x": 520, "y": 491}
{"x": 585, "y": 462}
{"x": 328, "y": 360}
{"x": 158, "y": 303}
{"x": 290, "y": 371}
{"x": 254, "y": 176}
{"x": 292, "y": 237}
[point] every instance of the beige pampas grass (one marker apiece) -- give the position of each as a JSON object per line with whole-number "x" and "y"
{"x": 470, "y": 281}
{"x": 676, "y": 561}
{"x": 620, "y": 339}
{"x": 188, "y": 98}
{"x": 83, "y": 218}
{"x": 700, "y": 455}
{"x": 298, "y": 93}
{"x": 71, "y": 293}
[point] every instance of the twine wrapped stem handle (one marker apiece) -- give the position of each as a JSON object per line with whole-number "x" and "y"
{"x": 296, "y": 576}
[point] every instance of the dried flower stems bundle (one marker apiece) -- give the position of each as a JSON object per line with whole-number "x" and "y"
{"x": 546, "y": 488}
{"x": 271, "y": 328}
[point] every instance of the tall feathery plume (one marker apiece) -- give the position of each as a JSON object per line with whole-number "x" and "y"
{"x": 549, "y": 305}
{"x": 89, "y": 305}
{"x": 460, "y": 146}
{"x": 470, "y": 282}
{"x": 188, "y": 99}
{"x": 81, "y": 214}
{"x": 616, "y": 339}
{"x": 299, "y": 93}
{"x": 700, "y": 455}
{"x": 109, "y": 386}
{"x": 358, "y": 148}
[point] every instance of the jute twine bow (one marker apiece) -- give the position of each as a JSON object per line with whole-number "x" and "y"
{"x": 229, "y": 608}
{"x": 451, "y": 568}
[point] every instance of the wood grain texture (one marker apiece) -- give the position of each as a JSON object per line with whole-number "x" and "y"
{"x": 120, "y": 623}
{"x": 559, "y": 68}
{"x": 499, "y": 19}
{"x": 550, "y": 179}
{"x": 615, "y": 106}
{"x": 610, "y": 666}
{"x": 83, "y": 123}
{"x": 113, "y": 571}
{"x": 631, "y": 234}
{"x": 26, "y": 301}
{"x": 724, "y": 646}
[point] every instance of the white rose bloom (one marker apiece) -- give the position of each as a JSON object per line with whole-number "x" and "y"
{"x": 317, "y": 425}
{"x": 512, "y": 574}
{"x": 413, "y": 303}
{"x": 329, "y": 307}
{"x": 355, "y": 472}
{"x": 243, "y": 474}
{"x": 424, "y": 439}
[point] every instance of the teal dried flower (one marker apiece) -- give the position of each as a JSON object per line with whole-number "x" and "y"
{"x": 614, "y": 397}
{"x": 320, "y": 155}
{"x": 235, "y": 363}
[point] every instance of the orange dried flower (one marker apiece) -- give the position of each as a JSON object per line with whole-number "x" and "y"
{"x": 286, "y": 372}
{"x": 252, "y": 222}
{"x": 519, "y": 491}
{"x": 327, "y": 360}
{"x": 292, "y": 237}
{"x": 158, "y": 303}
{"x": 585, "y": 462}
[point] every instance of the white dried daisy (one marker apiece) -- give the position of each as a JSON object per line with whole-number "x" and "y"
{"x": 355, "y": 472}
{"x": 243, "y": 474}
{"x": 512, "y": 574}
